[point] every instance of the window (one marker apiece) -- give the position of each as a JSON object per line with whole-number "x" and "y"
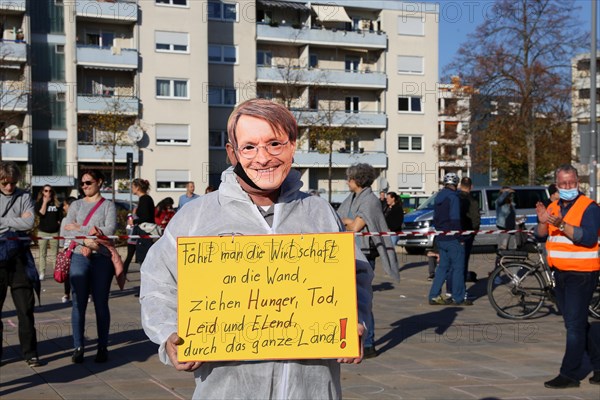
{"x": 264, "y": 16}
{"x": 217, "y": 139}
{"x": 410, "y": 182}
{"x": 172, "y": 88}
{"x": 172, "y": 134}
{"x": 172, "y": 179}
{"x": 172, "y": 2}
{"x": 61, "y": 96}
{"x": 264, "y": 58}
{"x": 351, "y": 64}
{"x": 409, "y": 104}
{"x": 410, "y": 65}
{"x": 413, "y": 26}
{"x": 222, "y": 54}
{"x": 176, "y": 42}
{"x": 352, "y": 104}
{"x": 313, "y": 60}
{"x": 218, "y": 96}
{"x": 101, "y": 39}
{"x": 222, "y": 11}
{"x": 585, "y": 94}
{"x": 410, "y": 143}
{"x": 60, "y": 49}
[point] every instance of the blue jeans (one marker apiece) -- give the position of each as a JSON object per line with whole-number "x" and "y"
{"x": 93, "y": 275}
{"x": 452, "y": 264}
{"x": 574, "y": 292}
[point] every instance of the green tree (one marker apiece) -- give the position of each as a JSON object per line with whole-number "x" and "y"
{"x": 520, "y": 58}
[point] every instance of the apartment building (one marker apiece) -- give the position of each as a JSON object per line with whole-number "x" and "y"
{"x": 454, "y": 142}
{"x": 367, "y": 68}
{"x": 15, "y": 79}
{"x": 580, "y": 116}
{"x": 173, "y": 70}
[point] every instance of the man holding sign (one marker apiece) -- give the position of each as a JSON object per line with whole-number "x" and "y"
{"x": 259, "y": 195}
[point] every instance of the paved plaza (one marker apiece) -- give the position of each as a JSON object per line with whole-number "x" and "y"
{"x": 426, "y": 352}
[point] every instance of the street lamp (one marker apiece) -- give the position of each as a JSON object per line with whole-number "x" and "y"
{"x": 492, "y": 143}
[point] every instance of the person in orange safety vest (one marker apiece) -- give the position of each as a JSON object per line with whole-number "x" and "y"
{"x": 571, "y": 225}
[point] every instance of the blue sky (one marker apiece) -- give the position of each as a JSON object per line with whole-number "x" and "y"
{"x": 459, "y": 18}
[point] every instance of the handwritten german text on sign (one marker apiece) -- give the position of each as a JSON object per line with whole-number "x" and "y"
{"x": 267, "y": 297}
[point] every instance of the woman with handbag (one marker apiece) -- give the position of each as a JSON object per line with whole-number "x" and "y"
{"x": 92, "y": 269}
{"x": 361, "y": 212}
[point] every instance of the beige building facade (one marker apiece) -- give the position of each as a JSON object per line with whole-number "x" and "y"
{"x": 580, "y": 117}
{"x": 173, "y": 70}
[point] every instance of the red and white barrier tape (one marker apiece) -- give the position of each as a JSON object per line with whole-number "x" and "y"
{"x": 401, "y": 234}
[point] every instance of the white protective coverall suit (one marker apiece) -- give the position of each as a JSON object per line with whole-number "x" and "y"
{"x": 230, "y": 211}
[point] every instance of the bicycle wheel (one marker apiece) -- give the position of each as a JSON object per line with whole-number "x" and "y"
{"x": 516, "y": 290}
{"x": 594, "y": 308}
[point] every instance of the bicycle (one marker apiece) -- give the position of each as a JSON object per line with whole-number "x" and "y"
{"x": 519, "y": 285}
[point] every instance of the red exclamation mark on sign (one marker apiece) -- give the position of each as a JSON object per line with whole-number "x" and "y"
{"x": 343, "y": 322}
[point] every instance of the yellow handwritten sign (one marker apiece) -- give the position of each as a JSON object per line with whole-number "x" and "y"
{"x": 267, "y": 297}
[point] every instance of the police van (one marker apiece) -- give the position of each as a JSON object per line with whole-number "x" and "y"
{"x": 421, "y": 220}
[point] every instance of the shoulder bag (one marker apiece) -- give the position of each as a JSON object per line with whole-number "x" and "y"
{"x": 63, "y": 258}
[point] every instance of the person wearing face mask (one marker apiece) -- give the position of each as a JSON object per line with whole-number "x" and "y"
{"x": 259, "y": 195}
{"x": 571, "y": 226}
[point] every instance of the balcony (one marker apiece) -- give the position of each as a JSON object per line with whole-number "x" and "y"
{"x": 90, "y": 104}
{"x": 12, "y": 52}
{"x": 15, "y": 150}
{"x": 12, "y": 6}
{"x": 13, "y": 100}
{"x": 107, "y": 57}
{"x": 321, "y": 37}
{"x": 311, "y": 159}
{"x": 321, "y": 77}
{"x": 363, "y": 119}
{"x": 101, "y": 152}
{"x": 125, "y": 11}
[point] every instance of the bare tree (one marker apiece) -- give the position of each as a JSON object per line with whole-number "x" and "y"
{"x": 519, "y": 58}
{"x": 108, "y": 130}
{"x": 330, "y": 125}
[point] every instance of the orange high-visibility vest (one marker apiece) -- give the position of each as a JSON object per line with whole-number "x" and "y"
{"x": 563, "y": 254}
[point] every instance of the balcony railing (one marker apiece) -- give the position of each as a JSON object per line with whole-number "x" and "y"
{"x": 312, "y": 159}
{"x": 101, "y": 152}
{"x": 13, "y": 51}
{"x": 363, "y": 119}
{"x": 323, "y": 37}
{"x": 108, "y": 57}
{"x": 17, "y": 6}
{"x": 120, "y": 10}
{"x": 87, "y": 104}
{"x": 15, "y": 150}
{"x": 321, "y": 77}
{"x": 13, "y": 99}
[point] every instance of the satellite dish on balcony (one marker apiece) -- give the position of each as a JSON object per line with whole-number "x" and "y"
{"x": 11, "y": 132}
{"x": 135, "y": 133}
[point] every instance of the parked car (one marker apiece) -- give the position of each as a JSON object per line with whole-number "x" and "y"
{"x": 421, "y": 220}
{"x": 410, "y": 202}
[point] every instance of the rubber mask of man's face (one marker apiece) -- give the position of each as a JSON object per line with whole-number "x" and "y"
{"x": 265, "y": 170}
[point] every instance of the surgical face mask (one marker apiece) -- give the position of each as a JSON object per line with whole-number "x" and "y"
{"x": 568, "y": 194}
